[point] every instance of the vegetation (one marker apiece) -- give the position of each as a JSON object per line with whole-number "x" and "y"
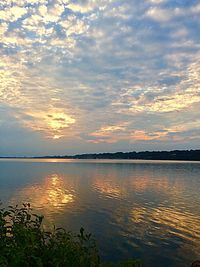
{"x": 146, "y": 155}
{"x": 193, "y": 155}
{"x": 24, "y": 243}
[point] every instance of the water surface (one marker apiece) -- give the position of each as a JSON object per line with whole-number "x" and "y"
{"x": 136, "y": 209}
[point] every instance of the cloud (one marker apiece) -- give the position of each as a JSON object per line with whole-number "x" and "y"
{"x": 18, "y": 90}
{"x": 53, "y": 13}
{"x": 159, "y": 14}
{"x": 195, "y": 9}
{"x": 3, "y": 28}
{"x": 74, "y": 26}
{"x": 13, "y": 13}
{"x": 109, "y": 133}
{"x": 84, "y": 6}
{"x": 42, "y": 10}
{"x": 157, "y": 1}
{"x": 52, "y": 122}
{"x": 165, "y": 14}
{"x": 126, "y": 132}
{"x": 102, "y": 72}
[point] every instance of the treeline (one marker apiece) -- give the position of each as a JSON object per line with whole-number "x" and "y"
{"x": 147, "y": 155}
{"x": 192, "y": 155}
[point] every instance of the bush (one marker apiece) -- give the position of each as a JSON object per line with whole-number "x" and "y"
{"x": 24, "y": 243}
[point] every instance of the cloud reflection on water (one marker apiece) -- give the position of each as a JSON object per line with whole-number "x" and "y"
{"x": 152, "y": 209}
{"x": 108, "y": 188}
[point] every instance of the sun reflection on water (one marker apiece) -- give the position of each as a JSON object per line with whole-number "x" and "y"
{"x": 52, "y": 195}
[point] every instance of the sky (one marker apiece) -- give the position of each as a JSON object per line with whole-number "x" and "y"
{"x": 99, "y": 76}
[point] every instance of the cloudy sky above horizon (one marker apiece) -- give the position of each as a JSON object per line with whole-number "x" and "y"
{"x": 94, "y": 76}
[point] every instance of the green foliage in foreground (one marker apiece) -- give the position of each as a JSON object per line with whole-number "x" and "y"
{"x": 24, "y": 243}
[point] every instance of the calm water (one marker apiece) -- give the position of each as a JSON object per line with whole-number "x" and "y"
{"x": 136, "y": 209}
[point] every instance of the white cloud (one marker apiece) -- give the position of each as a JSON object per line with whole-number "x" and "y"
{"x": 159, "y": 14}
{"x": 54, "y": 13}
{"x": 180, "y": 33}
{"x": 74, "y": 26}
{"x": 13, "y": 13}
{"x": 195, "y": 9}
{"x": 3, "y": 28}
{"x": 29, "y": 2}
{"x": 83, "y": 7}
{"x": 156, "y": 1}
{"x": 42, "y": 10}
{"x": 32, "y": 20}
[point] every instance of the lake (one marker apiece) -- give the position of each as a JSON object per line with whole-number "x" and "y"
{"x": 135, "y": 208}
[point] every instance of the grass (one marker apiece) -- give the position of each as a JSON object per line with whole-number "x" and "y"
{"x": 24, "y": 243}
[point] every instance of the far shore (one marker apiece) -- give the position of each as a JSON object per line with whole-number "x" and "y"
{"x": 174, "y": 155}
